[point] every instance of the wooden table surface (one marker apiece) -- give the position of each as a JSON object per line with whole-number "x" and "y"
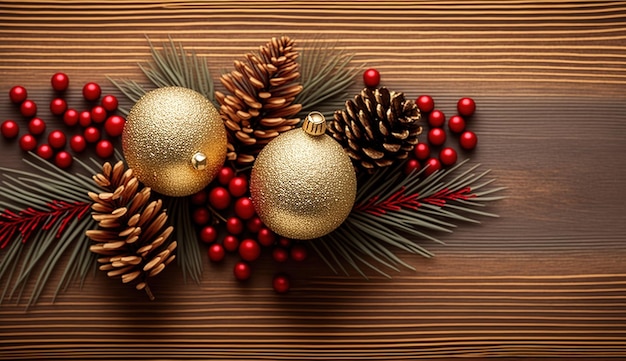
{"x": 546, "y": 279}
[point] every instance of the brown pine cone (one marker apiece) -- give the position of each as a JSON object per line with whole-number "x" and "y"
{"x": 132, "y": 235}
{"x": 377, "y": 128}
{"x": 260, "y": 106}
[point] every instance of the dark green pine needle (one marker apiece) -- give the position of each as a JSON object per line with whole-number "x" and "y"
{"x": 368, "y": 240}
{"x": 170, "y": 65}
{"x": 21, "y": 264}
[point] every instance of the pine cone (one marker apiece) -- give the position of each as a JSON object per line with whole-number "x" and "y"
{"x": 377, "y": 128}
{"x": 132, "y": 236}
{"x": 263, "y": 88}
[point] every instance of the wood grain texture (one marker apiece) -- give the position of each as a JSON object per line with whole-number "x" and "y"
{"x": 547, "y": 279}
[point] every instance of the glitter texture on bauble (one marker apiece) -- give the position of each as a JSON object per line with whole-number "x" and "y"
{"x": 174, "y": 140}
{"x": 303, "y": 184}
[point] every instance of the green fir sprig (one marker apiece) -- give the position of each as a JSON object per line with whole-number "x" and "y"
{"x": 188, "y": 252}
{"x": 50, "y": 206}
{"x": 326, "y": 74}
{"x": 394, "y": 211}
{"x": 171, "y": 65}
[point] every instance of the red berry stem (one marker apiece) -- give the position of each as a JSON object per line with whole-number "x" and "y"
{"x": 399, "y": 201}
{"x": 443, "y": 196}
{"x": 29, "y": 220}
{"x": 395, "y": 202}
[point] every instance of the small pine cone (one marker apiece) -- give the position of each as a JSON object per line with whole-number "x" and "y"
{"x": 132, "y": 236}
{"x": 377, "y": 128}
{"x": 260, "y": 106}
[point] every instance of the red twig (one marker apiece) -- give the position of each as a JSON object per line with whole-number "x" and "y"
{"x": 25, "y": 222}
{"x": 399, "y": 200}
{"x": 443, "y": 196}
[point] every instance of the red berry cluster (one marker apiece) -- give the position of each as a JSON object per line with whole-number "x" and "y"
{"x": 437, "y": 136}
{"x": 101, "y": 113}
{"x": 228, "y": 222}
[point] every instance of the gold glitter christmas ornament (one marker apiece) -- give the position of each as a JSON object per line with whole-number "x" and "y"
{"x": 174, "y": 140}
{"x": 303, "y": 184}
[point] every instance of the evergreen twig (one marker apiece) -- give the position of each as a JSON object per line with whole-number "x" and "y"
{"x": 326, "y": 75}
{"x": 170, "y": 65}
{"x": 188, "y": 252}
{"x": 393, "y": 211}
{"x": 47, "y": 208}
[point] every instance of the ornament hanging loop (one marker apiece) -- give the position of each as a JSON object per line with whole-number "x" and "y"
{"x": 314, "y": 124}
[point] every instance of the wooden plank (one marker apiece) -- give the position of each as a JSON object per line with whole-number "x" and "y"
{"x": 547, "y": 279}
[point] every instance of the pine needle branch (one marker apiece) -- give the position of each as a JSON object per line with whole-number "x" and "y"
{"x": 170, "y": 65}
{"x": 326, "y": 76}
{"x": 394, "y": 212}
{"x": 188, "y": 251}
{"x": 46, "y": 208}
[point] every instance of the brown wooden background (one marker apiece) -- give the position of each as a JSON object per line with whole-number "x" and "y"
{"x": 546, "y": 279}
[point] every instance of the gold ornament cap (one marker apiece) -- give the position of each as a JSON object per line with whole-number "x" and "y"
{"x": 314, "y": 124}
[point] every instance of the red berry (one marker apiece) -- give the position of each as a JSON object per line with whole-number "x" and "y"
{"x": 254, "y": 224}
{"x": 266, "y": 237}
{"x": 436, "y": 118}
{"x": 447, "y": 156}
{"x": 242, "y": 271}
{"x": 433, "y": 165}
{"x": 60, "y": 82}
{"x": 468, "y": 140}
{"x": 201, "y": 216}
{"x": 219, "y": 198}
{"x": 280, "y": 255}
{"x": 371, "y": 78}
{"x": 91, "y": 91}
{"x": 284, "y": 242}
{"x": 198, "y": 198}
{"x": 92, "y": 134}
{"x": 36, "y": 126}
{"x": 18, "y": 94}
{"x": 63, "y": 159}
{"x": 281, "y": 283}
{"x": 234, "y": 225}
{"x": 114, "y": 126}
{"x": 28, "y": 142}
{"x": 466, "y": 106}
{"x": 216, "y": 252}
{"x": 230, "y": 243}
{"x": 436, "y": 136}
{"x": 58, "y": 106}
{"x": 225, "y": 175}
{"x": 45, "y": 151}
{"x": 28, "y": 108}
{"x": 238, "y": 186}
{"x": 249, "y": 250}
{"x": 57, "y": 139}
{"x": 78, "y": 143}
{"x": 244, "y": 208}
{"x": 425, "y": 103}
{"x": 109, "y": 102}
{"x": 412, "y": 165}
{"x": 208, "y": 234}
{"x": 10, "y": 129}
{"x": 298, "y": 253}
{"x": 84, "y": 118}
{"x": 104, "y": 149}
{"x": 456, "y": 123}
{"x": 98, "y": 114}
{"x": 70, "y": 118}
{"x": 422, "y": 151}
